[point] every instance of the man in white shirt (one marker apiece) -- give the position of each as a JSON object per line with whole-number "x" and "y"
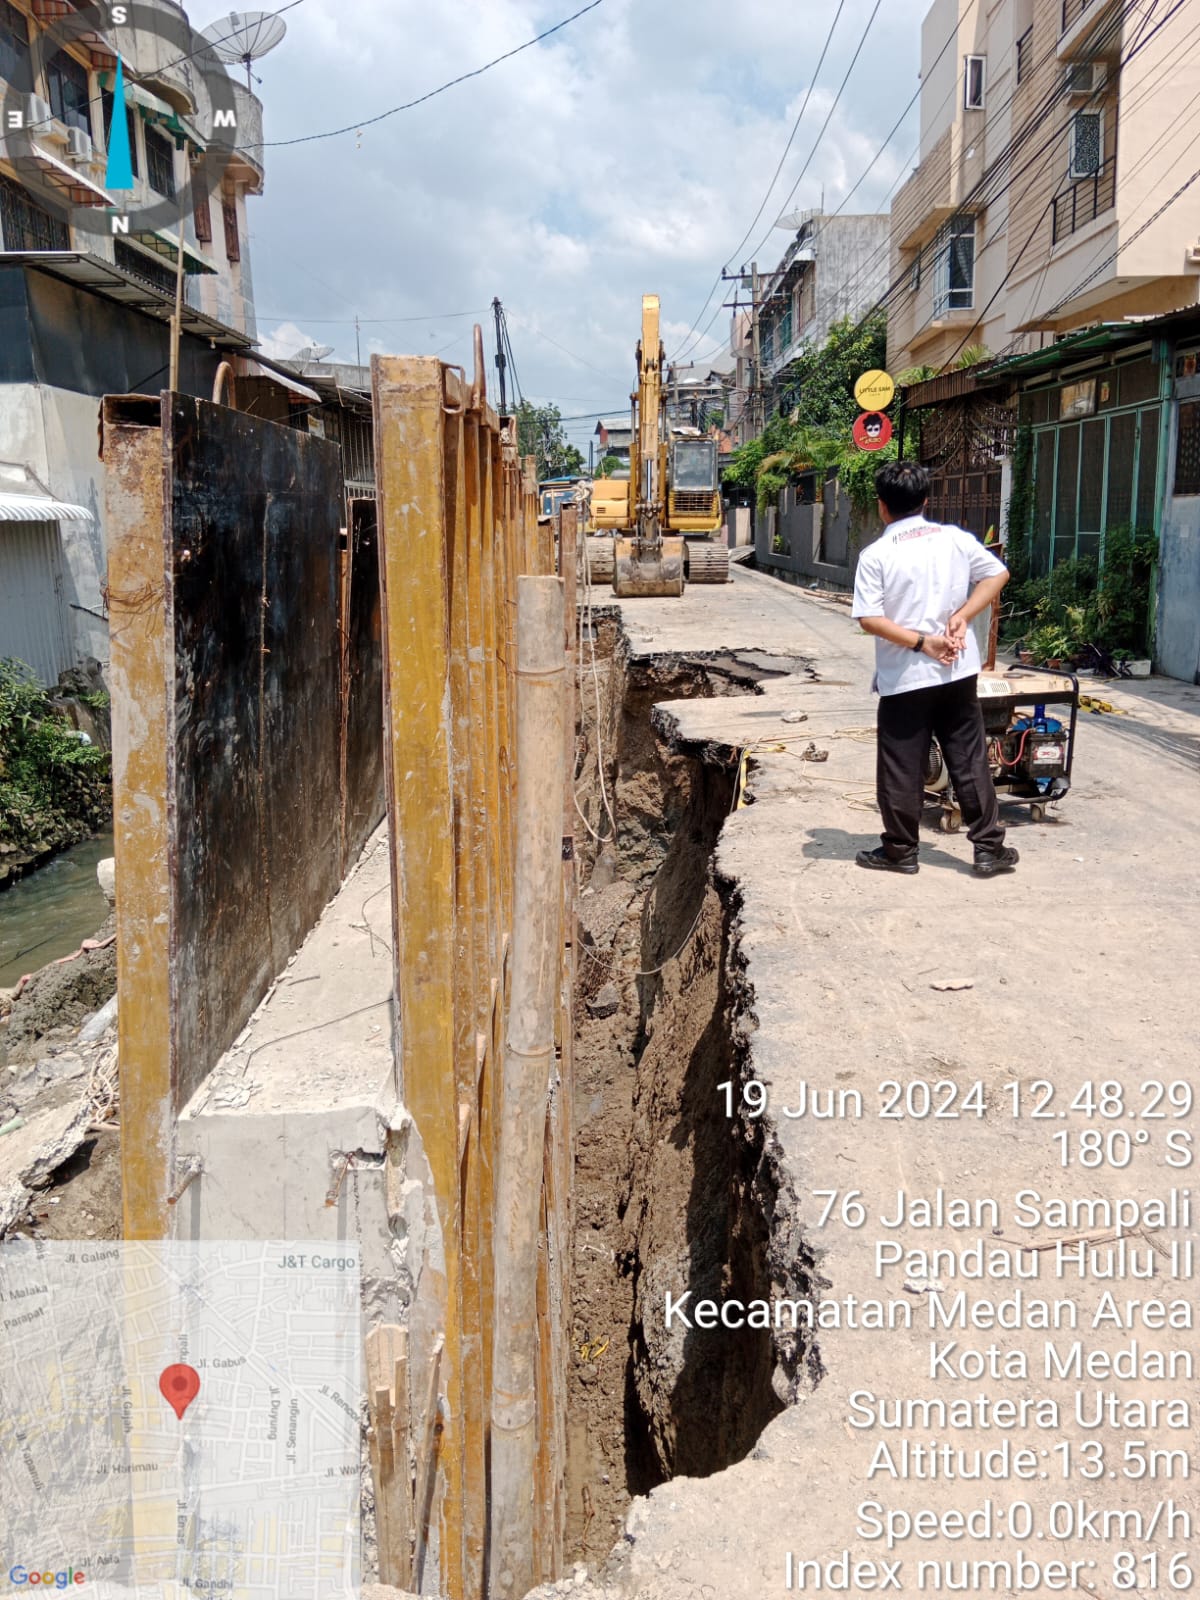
{"x": 916, "y": 590}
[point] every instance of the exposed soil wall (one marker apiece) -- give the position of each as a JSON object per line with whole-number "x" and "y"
{"x": 670, "y": 1194}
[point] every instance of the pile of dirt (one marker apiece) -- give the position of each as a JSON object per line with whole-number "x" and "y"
{"x": 59, "y": 998}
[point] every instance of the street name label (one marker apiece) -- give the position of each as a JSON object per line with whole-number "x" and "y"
{"x": 253, "y": 1492}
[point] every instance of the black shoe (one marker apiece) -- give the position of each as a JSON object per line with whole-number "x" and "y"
{"x": 880, "y": 861}
{"x": 989, "y": 862}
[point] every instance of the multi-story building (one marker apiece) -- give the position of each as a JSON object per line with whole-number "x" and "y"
{"x": 1054, "y": 137}
{"x": 836, "y": 266}
{"x": 88, "y": 280}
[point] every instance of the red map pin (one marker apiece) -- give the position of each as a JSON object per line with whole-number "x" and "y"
{"x": 180, "y": 1385}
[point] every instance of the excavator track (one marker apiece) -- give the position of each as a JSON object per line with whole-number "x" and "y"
{"x": 600, "y": 556}
{"x": 706, "y": 563}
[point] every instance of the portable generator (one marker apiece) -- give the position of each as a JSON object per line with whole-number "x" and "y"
{"x": 1030, "y": 752}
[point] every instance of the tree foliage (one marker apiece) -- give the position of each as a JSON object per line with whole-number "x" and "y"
{"x": 54, "y": 790}
{"x": 540, "y": 434}
{"x": 817, "y": 436}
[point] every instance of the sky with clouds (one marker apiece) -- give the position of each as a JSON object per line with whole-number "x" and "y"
{"x": 626, "y": 154}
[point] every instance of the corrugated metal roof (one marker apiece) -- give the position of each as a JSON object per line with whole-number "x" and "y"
{"x": 36, "y": 508}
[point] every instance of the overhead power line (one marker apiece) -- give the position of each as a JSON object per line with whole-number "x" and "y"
{"x": 477, "y": 72}
{"x": 829, "y": 117}
{"x": 762, "y": 205}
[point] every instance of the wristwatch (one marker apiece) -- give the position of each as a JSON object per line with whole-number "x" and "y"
{"x": 920, "y": 644}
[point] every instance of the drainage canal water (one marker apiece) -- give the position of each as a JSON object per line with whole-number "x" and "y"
{"x": 52, "y": 911}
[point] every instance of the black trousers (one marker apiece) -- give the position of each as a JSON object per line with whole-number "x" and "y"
{"x": 906, "y": 724}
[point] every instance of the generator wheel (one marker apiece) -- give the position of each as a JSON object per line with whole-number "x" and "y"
{"x": 1037, "y": 813}
{"x": 950, "y": 821}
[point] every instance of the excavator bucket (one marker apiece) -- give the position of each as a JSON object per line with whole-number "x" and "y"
{"x": 648, "y": 570}
{"x": 706, "y": 563}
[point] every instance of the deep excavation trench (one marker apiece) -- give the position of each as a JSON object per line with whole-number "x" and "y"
{"x": 670, "y": 1194}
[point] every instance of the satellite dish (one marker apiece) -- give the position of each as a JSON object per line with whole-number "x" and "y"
{"x": 313, "y": 352}
{"x": 245, "y": 36}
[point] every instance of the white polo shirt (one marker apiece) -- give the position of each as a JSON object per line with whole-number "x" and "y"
{"x": 917, "y": 575}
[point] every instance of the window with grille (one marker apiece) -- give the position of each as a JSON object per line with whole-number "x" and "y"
{"x": 1187, "y": 455}
{"x": 1087, "y": 144}
{"x": 973, "y": 76}
{"x": 16, "y": 67}
{"x": 154, "y": 271}
{"x": 25, "y": 225}
{"x": 106, "y": 106}
{"x": 160, "y": 163}
{"x": 954, "y": 266}
{"x": 67, "y": 89}
{"x": 914, "y": 275}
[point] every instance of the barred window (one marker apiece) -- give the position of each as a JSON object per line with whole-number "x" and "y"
{"x": 145, "y": 266}
{"x": 25, "y": 225}
{"x": 160, "y": 163}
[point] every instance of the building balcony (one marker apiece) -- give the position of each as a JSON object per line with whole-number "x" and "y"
{"x": 1087, "y": 30}
{"x": 1084, "y": 201}
{"x": 158, "y": 62}
{"x": 246, "y": 162}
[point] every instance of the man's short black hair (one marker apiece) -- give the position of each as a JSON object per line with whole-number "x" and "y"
{"x": 903, "y": 486}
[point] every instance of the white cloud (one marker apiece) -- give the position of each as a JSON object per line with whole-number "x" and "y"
{"x": 282, "y": 342}
{"x": 626, "y": 154}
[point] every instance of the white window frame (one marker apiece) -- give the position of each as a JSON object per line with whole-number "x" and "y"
{"x": 943, "y": 246}
{"x": 979, "y": 64}
{"x": 1073, "y": 172}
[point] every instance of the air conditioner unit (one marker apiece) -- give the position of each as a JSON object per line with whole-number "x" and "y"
{"x": 38, "y": 115}
{"x": 1084, "y": 77}
{"x": 79, "y": 145}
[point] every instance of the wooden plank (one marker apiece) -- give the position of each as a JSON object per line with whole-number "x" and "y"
{"x": 141, "y": 674}
{"x": 431, "y": 1444}
{"x": 402, "y": 1507}
{"x": 414, "y": 568}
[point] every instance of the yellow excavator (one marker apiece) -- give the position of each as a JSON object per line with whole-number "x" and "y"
{"x": 664, "y": 516}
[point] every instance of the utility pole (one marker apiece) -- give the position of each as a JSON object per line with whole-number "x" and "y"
{"x": 501, "y": 363}
{"x": 177, "y": 314}
{"x": 756, "y": 351}
{"x": 357, "y": 343}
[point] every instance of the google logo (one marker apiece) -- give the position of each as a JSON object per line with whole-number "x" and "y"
{"x": 46, "y": 1580}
